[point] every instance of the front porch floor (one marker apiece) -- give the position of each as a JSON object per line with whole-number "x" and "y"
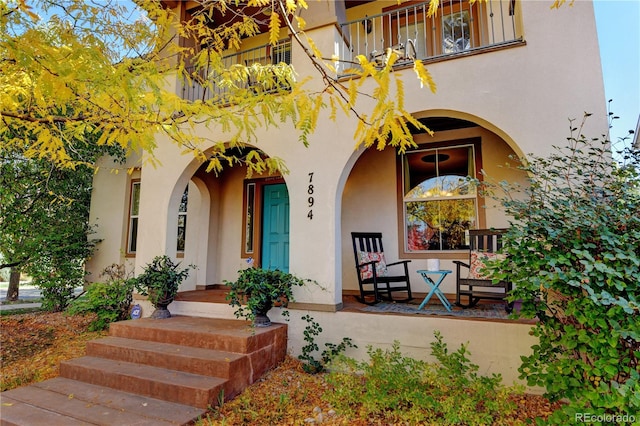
{"x": 485, "y": 311}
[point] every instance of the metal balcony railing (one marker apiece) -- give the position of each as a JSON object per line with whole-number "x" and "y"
{"x": 203, "y": 81}
{"x": 458, "y": 28}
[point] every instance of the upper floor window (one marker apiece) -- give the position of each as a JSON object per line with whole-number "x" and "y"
{"x": 182, "y": 220}
{"x": 134, "y": 210}
{"x": 439, "y": 201}
{"x": 453, "y": 29}
{"x": 456, "y": 35}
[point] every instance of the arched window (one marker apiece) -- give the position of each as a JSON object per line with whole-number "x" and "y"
{"x": 182, "y": 220}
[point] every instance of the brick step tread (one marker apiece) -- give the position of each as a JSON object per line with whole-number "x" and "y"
{"x": 17, "y": 413}
{"x": 209, "y": 362}
{"x": 161, "y": 383}
{"x": 50, "y": 405}
{"x": 210, "y": 333}
{"x": 133, "y": 403}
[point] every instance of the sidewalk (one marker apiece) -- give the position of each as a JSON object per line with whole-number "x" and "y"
{"x": 15, "y": 306}
{"x": 26, "y": 293}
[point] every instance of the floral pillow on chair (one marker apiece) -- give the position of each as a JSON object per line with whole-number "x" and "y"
{"x": 477, "y": 264}
{"x": 367, "y": 271}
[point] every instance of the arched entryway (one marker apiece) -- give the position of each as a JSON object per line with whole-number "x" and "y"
{"x": 422, "y": 200}
{"x": 232, "y": 221}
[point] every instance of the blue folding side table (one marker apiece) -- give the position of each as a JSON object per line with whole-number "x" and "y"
{"x": 434, "y": 283}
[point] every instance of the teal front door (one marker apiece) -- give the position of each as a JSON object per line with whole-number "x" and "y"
{"x": 275, "y": 227}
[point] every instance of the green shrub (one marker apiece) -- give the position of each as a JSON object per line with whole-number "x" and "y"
{"x": 161, "y": 280}
{"x": 56, "y": 278}
{"x": 310, "y": 363}
{"x": 109, "y": 300}
{"x": 392, "y": 388}
{"x": 574, "y": 258}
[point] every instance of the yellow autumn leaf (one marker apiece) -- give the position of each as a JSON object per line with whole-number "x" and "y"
{"x": 433, "y": 8}
{"x": 424, "y": 76}
{"x": 274, "y": 28}
{"x": 300, "y": 22}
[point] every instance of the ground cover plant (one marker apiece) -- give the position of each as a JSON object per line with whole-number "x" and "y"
{"x": 395, "y": 389}
{"x": 313, "y": 360}
{"x": 573, "y": 255}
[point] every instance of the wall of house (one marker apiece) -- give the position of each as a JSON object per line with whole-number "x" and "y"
{"x": 495, "y": 347}
{"x": 109, "y": 214}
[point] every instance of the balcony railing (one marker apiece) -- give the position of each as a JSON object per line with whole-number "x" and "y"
{"x": 458, "y": 28}
{"x": 203, "y": 85}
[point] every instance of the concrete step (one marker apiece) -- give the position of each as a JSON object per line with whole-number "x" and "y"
{"x": 168, "y": 385}
{"x": 18, "y": 413}
{"x": 203, "y": 287}
{"x": 62, "y": 401}
{"x": 207, "y": 362}
{"x": 233, "y": 367}
{"x": 209, "y": 333}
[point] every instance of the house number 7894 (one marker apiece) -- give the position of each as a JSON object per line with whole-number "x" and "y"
{"x": 310, "y": 200}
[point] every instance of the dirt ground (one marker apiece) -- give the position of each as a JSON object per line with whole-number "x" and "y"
{"x": 33, "y": 344}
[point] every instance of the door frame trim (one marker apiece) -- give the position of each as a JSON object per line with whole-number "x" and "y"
{"x": 252, "y": 221}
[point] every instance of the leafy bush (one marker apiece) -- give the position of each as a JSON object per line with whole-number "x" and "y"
{"x": 391, "y": 388}
{"x": 110, "y": 300}
{"x": 160, "y": 280}
{"x": 57, "y": 281}
{"x": 310, "y": 363}
{"x": 256, "y": 290}
{"x": 574, "y": 258}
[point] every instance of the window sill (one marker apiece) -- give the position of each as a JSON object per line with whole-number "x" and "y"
{"x": 449, "y": 254}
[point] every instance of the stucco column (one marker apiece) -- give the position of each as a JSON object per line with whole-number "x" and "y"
{"x": 160, "y": 191}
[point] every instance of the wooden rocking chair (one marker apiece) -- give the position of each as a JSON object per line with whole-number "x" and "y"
{"x": 483, "y": 244}
{"x": 374, "y": 278}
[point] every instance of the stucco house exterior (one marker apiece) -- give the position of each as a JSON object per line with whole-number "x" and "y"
{"x": 510, "y": 73}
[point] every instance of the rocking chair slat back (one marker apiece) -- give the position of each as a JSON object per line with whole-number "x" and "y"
{"x": 470, "y": 290}
{"x": 374, "y": 285}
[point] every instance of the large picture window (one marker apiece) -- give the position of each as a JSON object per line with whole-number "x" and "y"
{"x": 439, "y": 200}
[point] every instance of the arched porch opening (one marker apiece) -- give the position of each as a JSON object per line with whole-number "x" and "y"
{"x": 421, "y": 200}
{"x": 227, "y": 221}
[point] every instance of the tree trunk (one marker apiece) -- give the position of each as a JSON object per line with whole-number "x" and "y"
{"x": 14, "y": 283}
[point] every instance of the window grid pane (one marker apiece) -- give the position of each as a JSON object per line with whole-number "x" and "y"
{"x": 440, "y": 200}
{"x": 182, "y": 220}
{"x": 132, "y": 238}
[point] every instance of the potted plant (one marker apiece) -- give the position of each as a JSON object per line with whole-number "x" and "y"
{"x": 160, "y": 281}
{"x": 257, "y": 290}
